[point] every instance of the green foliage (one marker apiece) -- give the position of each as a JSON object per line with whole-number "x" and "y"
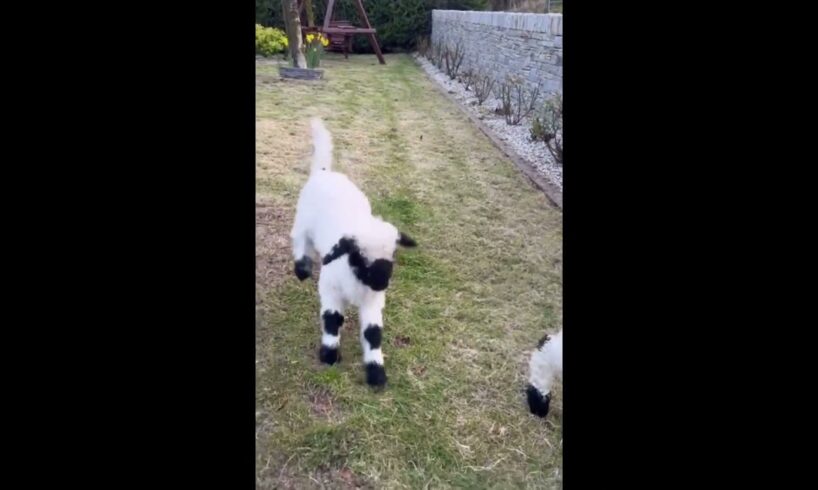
{"x": 399, "y": 22}
{"x": 461, "y": 4}
{"x": 270, "y": 40}
{"x": 533, "y": 6}
{"x": 538, "y": 131}
{"x": 269, "y": 13}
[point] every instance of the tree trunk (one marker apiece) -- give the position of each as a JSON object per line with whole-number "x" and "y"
{"x": 310, "y": 14}
{"x": 292, "y": 22}
{"x": 286, "y": 28}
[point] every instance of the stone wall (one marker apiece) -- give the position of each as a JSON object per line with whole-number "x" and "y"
{"x": 505, "y": 43}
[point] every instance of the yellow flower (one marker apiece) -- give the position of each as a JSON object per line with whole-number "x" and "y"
{"x": 310, "y": 37}
{"x": 324, "y": 41}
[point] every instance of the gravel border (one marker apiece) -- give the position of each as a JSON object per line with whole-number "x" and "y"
{"x": 515, "y": 138}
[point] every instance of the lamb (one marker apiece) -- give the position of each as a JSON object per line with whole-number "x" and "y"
{"x": 334, "y": 221}
{"x": 545, "y": 366}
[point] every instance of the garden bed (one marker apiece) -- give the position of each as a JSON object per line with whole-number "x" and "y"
{"x": 517, "y": 138}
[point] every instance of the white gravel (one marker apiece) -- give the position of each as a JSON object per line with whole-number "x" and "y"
{"x": 517, "y": 137}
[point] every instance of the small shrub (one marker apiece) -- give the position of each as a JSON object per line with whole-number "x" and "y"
{"x": 453, "y": 59}
{"x": 467, "y": 79}
{"x": 442, "y": 55}
{"x": 423, "y": 46}
{"x": 547, "y": 127}
{"x": 538, "y": 131}
{"x": 433, "y": 53}
{"x": 270, "y": 40}
{"x": 483, "y": 84}
{"x": 517, "y": 100}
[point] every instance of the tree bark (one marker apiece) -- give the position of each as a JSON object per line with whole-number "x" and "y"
{"x": 292, "y": 22}
{"x": 310, "y": 14}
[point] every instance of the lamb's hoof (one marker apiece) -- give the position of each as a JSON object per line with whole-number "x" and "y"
{"x": 375, "y": 375}
{"x": 537, "y": 402}
{"x": 303, "y": 268}
{"x": 328, "y": 355}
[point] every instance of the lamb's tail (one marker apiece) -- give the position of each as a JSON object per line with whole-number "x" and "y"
{"x": 322, "y": 146}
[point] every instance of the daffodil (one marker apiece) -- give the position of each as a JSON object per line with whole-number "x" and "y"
{"x": 313, "y": 48}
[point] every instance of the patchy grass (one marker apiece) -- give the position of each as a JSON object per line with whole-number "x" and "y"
{"x": 464, "y": 311}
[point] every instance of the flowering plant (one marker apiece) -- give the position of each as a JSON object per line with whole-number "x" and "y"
{"x": 314, "y": 48}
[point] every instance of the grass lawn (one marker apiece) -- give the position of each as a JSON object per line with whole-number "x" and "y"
{"x": 463, "y": 312}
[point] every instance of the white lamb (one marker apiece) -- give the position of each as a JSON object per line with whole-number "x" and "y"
{"x": 545, "y": 366}
{"x": 334, "y": 220}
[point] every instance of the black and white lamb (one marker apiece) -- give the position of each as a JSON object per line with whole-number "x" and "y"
{"x": 334, "y": 221}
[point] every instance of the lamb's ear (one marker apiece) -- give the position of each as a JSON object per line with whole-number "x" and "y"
{"x": 405, "y": 240}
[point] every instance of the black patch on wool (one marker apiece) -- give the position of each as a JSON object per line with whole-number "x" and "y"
{"x": 344, "y": 246}
{"x": 372, "y": 334}
{"x": 376, "y": 275}
{"x": 406, "y": 241}
{"x": 375, "y": 374}
{"x": 537, "y": 403}
{"x": 332, "y": 322}
{"x": 303, "y": 268}
{"x": 543, "y": 341}
{"x": 329, "y": 355}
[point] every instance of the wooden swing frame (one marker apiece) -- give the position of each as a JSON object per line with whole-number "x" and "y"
{"x": 332, "y": 28}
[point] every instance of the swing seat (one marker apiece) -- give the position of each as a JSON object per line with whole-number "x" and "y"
{"x": 340, "y": 34}
{"x": 339, "y": 38}
{"x": 348, "y": 30}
